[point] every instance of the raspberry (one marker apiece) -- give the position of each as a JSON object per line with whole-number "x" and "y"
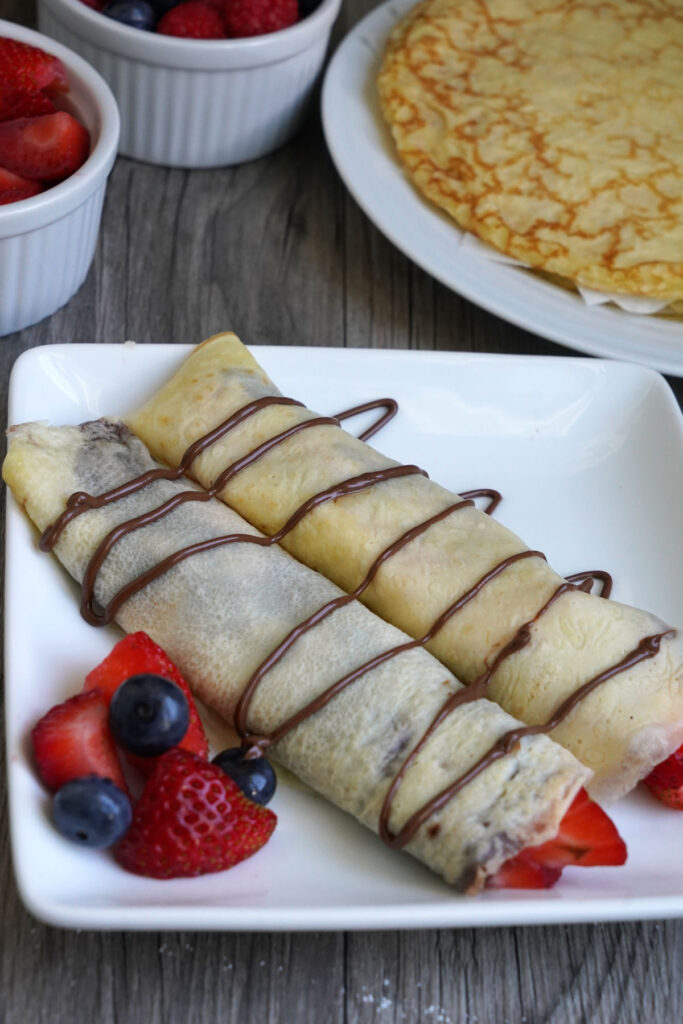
{"x": 257, "y": 17}
{"x": 192, "y": 20}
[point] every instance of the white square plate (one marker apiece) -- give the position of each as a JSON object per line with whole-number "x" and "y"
{"x": 589, "y": 457}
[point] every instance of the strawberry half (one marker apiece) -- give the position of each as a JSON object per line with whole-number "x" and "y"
{"x": 190, "y": 820}
{"x": 135, "y": 655}
{"x": 13, "y": 187}
{"x": 665, "y": 781}
{"x": 73, "y": 740}
{"x": 17, "y": 103}
{"x": 28, "y": 69}
{"x": 49, "y": 147}
{"x": 587, "y": 837}
{"x": 518, "y": 873}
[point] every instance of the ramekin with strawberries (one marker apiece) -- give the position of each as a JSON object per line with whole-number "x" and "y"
{"x": 200, "y": 83}
{"x": 59, "y": 129}
{"x": 40, "y": 144}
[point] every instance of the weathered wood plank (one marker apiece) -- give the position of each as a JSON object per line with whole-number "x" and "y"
{"x": 280, "y": 252}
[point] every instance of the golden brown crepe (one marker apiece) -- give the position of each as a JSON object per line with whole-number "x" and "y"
{"x": 552, "y": 130}
{"x": 621, "y": 730}
{"x": 221, "y": 612}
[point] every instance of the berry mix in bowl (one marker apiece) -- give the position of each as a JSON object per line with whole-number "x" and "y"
{"x": 59, "y": 130}
{"x": 200, "y": 83}
{"x": 206, "y": 19}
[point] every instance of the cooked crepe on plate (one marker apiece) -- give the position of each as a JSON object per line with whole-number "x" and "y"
{"x": 434, "y": 565}
{"x": 364, "y": 716}
{"x": 553, "y": 131}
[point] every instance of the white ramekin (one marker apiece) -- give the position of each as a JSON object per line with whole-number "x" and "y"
{"x": 196, "y": 102}
{"x": 47, "y": 243}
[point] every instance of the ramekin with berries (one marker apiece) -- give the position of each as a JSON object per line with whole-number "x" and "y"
{"x": 200, "y": 83}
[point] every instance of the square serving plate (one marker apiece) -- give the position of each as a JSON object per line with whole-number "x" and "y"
{"x": 589, "y": 457}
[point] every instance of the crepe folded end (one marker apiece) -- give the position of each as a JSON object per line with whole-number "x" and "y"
{"x": 221, "y": 613}
{"x": 621, "y": 729}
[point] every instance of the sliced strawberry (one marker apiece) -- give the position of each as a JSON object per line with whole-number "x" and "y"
{"x": 587, "y": 837}
{"x": 28, "y": 69}
{"x": 13, "y": 187}
{"x": 517, "y": 873}
{"x": 134, "y": 655}
{"x": 17, "y": 103}
{"x": 191, "y": 819}
{"x": 48, "y": 148}
{"x": 665, "y": 781}
{"x": 73, "y": 740}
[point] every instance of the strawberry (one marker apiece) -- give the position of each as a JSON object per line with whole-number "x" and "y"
{"x": 25, "y": 68}
{"x": 586, "y": 837}
{"x": 191, "y": 819}
{"x": 665, "y": 781}
{"x": 47, "y": 148}
{"x": 517, "y": 873}
{"x": 73, "y": 740}
{"x": 193, "y": 19}
{"x": 257, "y": 17}
{"x": 13, "y": 187}
{"x": 17, "y": 103}
{"x": 134, "y": 655}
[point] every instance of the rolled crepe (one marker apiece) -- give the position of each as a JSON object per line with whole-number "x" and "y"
{"x": 221, "y": 612}
{"x": 620, "y": 729}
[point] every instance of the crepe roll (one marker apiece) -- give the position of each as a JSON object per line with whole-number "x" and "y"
{"x": 429, "y": 562}
{"x": 350, "y": 704}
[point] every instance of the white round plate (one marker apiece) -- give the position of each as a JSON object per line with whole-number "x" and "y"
{"x": 363, "y": 152}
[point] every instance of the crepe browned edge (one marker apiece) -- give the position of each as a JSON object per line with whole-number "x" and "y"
{"x": 621, "y": 730}
{"x": 552, "y": 131}
{"x": 219, "y": 613}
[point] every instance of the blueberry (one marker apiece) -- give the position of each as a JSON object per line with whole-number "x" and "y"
{"x": 135, "y": 13}
{"x": 148, "y": 715}
{"x": 91, "y": 811}
{"x": 162, "y": 6}
{"x": 307, "y": 7}
{"x": 255, "y": 777}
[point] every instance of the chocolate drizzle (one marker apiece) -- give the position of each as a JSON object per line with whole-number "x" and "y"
{"x": 585, "y": 581}
{"x": 390, "y": 405}
{"x": 81, "y": 502}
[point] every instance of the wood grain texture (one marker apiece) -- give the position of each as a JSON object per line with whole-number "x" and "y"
{"x": 278, "y": 251}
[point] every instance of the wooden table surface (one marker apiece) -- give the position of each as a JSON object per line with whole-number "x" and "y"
{"x": 278, "y": 251}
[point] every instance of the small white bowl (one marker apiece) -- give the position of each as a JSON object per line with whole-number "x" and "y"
{"x": 47, "y": 243}
{"x": 199, "y": 102}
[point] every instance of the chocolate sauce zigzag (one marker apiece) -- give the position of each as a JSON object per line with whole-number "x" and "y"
{"x": 221, "y": 614}
{"x": 80, "y": 502}
{"x": 289, "y": 481}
